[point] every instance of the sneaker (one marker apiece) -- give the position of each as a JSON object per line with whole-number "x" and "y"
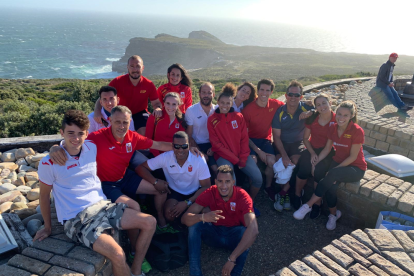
{"x": 166, "y": 229}
{"x": 316, "y": 211}
{"x": 145, "y": 267}
{"x": 256, "y": 211}
{"x": 286, "y": 204}
{"x": 331, "y": 224}
{"x": 270, "y": 193}
{"x": 280, "y": 201}
{"x": 296, "y": 202}
{"x": 301, "y": 213}
{"x": 405, "y": 107}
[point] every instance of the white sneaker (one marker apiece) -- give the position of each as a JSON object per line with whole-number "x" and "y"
{"x": 302, "y": 211}
{"x": 331, "y": 224}
{"x": 279, "y": 202}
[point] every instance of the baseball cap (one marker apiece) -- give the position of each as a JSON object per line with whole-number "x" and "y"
{"x": 394, "y": 55}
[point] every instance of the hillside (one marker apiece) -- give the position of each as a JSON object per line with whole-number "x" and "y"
{"x": 209, "y": 58}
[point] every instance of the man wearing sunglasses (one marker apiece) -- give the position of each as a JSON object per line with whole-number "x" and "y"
{"x": 288, "y": 126}
{"x": 108, "y": 99}
{"x": 187, "y": 175}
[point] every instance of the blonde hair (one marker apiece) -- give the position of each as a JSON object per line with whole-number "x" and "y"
{"x": 352, "y": 108}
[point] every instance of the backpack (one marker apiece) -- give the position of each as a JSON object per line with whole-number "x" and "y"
{"x": 168, "y": 251}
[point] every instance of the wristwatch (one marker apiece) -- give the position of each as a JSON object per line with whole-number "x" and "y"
{"x": 156, "y": 181}
{"x": 189, "y": 202}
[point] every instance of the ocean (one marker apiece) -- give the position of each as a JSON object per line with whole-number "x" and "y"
{"x": 43, "y": 44}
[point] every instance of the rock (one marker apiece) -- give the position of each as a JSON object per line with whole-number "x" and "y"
{"x": 5, "y": 207}
{"x": 24, "y": 189}
{"x": 20, "y": 181}
{"x": 38, "y": 157}
{"x": 24, "y": 213}
{"x": 12, "y": 176}
{"x": 21, "y": 198}
{"x": 6, "y": 181}
{"x": 36, "y": 184}
{"x": 21, "y": 174}
{"x": 9, "y": 197}
{"x": 25, "y": 168}
{"x": 35, "y": 164}
{"x": 5, "y": 188}
{"x": 29, "y": 158}
{"x": 18, "y": 206}
{"x": 33, "y": 204}
{"x": 31, "y": 176}
{"x": 33, "y": 226}
{"x": 4, "y": 173}
{"x": 21, "y": 162}
{"x": 8, "y": 157}
{"x": 33, "y": 194}
{"x": 22, "y": 153}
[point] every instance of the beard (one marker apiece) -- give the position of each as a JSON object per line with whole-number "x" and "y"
{"x": 203, "y": 101}
{"x": 134, "y": 78}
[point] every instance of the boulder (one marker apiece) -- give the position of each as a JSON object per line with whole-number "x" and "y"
{"x": 31, "y": 176}
{"x": 8, "y": 157}
{"x": 19, "y": 181}
{"x": 38, "y": 157}
{"x": 33, "y": 194}
{"x": 24, "y": 213}
{"x": 21, "y": 198}
{"x": 5, "y": 188}
{"x": 35, "y": 164}
{"x": 33, "y": 184}
{"x": 22, "y": 153}
{"x": 12, "y": 176}
{"x": 33, "y": 204}
{"x": 21, "y": 162}
{"x": 9, "y": 197}
{"x": 23, "y": 189}
{"x": 4, "y": 180}
{"x": 29, "y": 159}
{"x": 25, "y": 168}
{"x": 4, "y": 173}
{"x": 18, "y": 206}
{"x": 33, "y": 226}
{"x": 5, "y": 207}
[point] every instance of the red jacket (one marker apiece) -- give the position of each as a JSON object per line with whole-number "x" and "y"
{"x": 183, "y": 90}
{"x": 228, "y": 137}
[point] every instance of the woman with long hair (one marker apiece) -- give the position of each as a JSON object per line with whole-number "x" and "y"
{"x": 314, "y": 138}
{"x": 348, "y": 164}
{"x": 163, "y": 128}
{"x": 246, "y": 93}
{"x": 179, "y": 82}
{"x": 230, "y": 141}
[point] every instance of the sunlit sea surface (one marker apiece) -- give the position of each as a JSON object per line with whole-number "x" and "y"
{"x": 49, "y": 44}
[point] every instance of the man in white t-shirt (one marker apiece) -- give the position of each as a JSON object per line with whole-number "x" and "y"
{"x": 187, "y": 175}
{"x": 108, "y": 98}
{"x": 196, "y": 119}
{"x": 81, "y": 205}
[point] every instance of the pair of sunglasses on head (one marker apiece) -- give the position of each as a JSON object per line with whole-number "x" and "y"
{"x": 296, "y": 95}
{"x": 183, "y": 146}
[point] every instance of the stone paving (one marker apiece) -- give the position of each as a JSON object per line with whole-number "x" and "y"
{"x": 373, "y": 252}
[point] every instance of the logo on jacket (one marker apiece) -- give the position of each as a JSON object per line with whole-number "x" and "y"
{"x": 128, "y": 147}
{"x": 111, "y": 148}
{"x": 143, "y": 91}
{"x": 233, "y": 206}
{"x": 72, "y": 166}
{"x": 182, "y": 95}
{"x": 199, "y": 117}
{"x": 271, "y": 109}
{"x": 190, "y": 168}
{"x": 215, "y": 122}
{"x": 172, "y": 166}
{"x": 347, "y": 135}
{"x": 177, "y": 125}
{"x": 234, "y": 124}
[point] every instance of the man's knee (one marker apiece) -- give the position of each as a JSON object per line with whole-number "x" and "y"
{"x": 271, "y": 160}
{"x": 149, "y": 223}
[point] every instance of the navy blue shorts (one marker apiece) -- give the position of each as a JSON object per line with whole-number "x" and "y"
{"x": 204, "y": 148}
{"x": 128, "y": 186}
{"x": 294, "y": 148}
{"x": 263, "y": 144}
{"x": 140, "y": 119}
{"x": 178, "y": 196}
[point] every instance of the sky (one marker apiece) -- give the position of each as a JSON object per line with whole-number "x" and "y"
{"x": 358, "y": 14}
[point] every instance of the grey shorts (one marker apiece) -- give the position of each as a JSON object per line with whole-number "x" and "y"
{"x": 88, "y": 225}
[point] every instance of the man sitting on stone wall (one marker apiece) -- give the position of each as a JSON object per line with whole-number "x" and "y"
{"x": 81, "y": 206}
{"x": 385, "y": 82}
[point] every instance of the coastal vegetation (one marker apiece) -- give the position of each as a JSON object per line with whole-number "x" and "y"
{"x": 31, "y": 107}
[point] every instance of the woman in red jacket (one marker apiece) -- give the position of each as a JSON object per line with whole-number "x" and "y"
{"x": 180, "y": 82}
{"x": 348, "y": 164}
{"x": 163, "y": 128}
{"x": 230, "y": 141}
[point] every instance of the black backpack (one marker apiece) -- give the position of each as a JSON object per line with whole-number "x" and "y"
{"x": 168, "y": 251}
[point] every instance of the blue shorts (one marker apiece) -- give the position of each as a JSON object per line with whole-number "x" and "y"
{"x": 263, "y": 144}
{"x": 204, "y": 148}
{"x": 128, "y": 186}
{"x": 179, "y": 196}
{"x": 140, "y": 119}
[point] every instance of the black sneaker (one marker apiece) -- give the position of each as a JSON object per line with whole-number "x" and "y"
{"x": 296, "y": 202}
{"x": 316, "y": 211}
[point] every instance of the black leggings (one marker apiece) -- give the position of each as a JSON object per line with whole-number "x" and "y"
{"x": 330, "y": 183}
{"x": 305, "y": 165}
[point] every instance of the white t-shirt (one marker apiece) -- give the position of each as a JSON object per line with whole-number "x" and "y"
{"x": 75, "y": 185}
{"x": 238, "y": 109}
{"x": 196, "y": 117}
{"x": 94, "y": 126}
{"x": 185, "y": 179}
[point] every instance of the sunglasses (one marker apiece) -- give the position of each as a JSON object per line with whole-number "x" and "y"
{"x": 296, "y": 95}
{"x": 183, "y": 146}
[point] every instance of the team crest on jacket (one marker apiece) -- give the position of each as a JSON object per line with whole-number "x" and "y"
{"x": 143, "y": 91}
{"x": 177, "y": 125}
{"x": 182, "y": 95}
{"x": 233, "y": 206}
{"x": 190, "y": 168}
{"x": 234, "y": 124}
{"x": 128, "y": 147}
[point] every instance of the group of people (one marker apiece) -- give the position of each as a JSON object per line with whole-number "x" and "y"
{"x": 180, "y": 150}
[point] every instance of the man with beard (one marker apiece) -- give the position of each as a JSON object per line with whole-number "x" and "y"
{"x": 223, "y": 217}
{"x": 196, "y": 119}
{"x": 134, "y": 90}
